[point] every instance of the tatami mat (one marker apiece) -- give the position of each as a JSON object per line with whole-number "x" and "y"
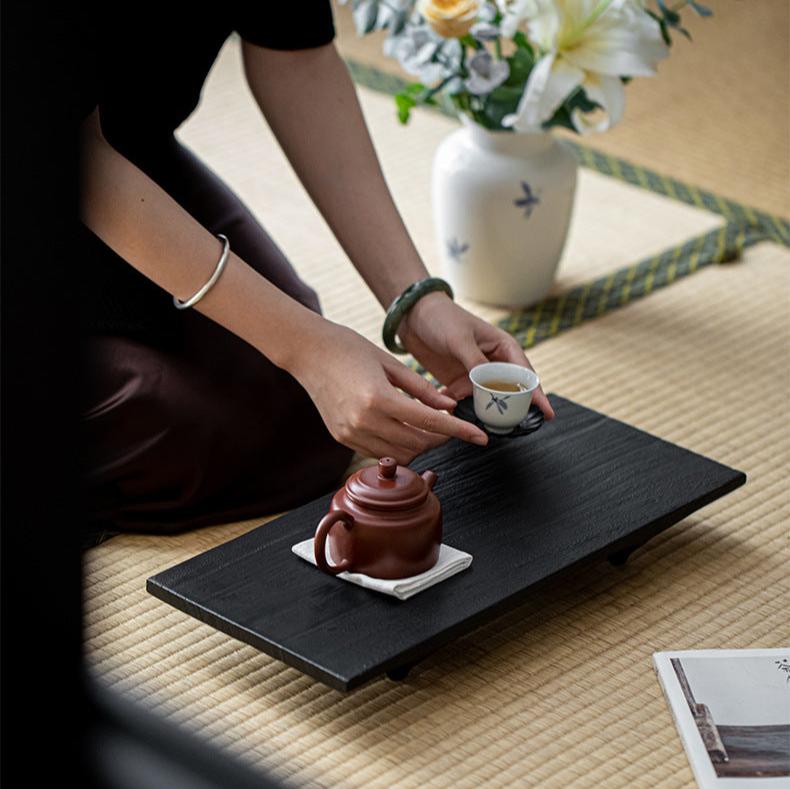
{"x": 560, "y": 691}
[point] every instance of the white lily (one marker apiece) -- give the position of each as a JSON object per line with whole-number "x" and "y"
{"x": 587, "y": 43}
{"x": 514, "y": 14}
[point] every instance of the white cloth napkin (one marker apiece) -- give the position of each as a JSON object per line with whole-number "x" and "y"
{"x": 451, "y": 561}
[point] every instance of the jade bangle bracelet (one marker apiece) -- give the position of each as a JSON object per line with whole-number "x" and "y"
{"x": 403, "y": 303}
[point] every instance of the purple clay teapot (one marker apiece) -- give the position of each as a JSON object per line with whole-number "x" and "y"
{"x": 387, "y": 524}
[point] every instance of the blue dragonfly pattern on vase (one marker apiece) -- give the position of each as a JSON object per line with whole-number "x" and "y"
{"x": 499, "y": 402}
{"x": 455, "y": 249}
{"x": 528, "y": 201}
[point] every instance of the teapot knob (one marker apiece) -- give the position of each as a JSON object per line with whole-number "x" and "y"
{"x": 430, "y": 479}
{"x": 387, "y": 468}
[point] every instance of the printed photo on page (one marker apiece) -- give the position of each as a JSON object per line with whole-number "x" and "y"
{"x": 732, "y": 711}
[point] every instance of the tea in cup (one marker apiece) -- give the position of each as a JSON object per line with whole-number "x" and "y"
{"x": 502, "y": 394}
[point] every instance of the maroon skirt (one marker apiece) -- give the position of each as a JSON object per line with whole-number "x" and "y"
{"x": 200, "y": 429}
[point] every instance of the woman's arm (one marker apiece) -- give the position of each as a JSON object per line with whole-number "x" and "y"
{"x": 352, "y": 383}
{"x": 148, "y": 229}
{"x": 310, "y": 103}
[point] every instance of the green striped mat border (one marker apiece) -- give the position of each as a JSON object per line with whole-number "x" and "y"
{"x": 556, "y": 314}
{"x": 772, "y": 227}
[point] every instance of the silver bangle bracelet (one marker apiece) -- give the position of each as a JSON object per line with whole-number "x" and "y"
{"x": 182, "y": 305}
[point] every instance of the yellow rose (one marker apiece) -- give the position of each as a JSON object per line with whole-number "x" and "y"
{"x": 449, "y": 18}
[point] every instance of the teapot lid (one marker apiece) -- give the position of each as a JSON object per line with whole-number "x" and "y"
{"x": 387, "y": 486}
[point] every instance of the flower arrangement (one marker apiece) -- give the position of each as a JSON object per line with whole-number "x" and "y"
{"x": 525, "y": 65}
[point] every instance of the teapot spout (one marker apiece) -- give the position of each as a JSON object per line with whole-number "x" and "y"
{"x": 430, "y": 479}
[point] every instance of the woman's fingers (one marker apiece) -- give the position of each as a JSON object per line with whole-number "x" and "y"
{"x": 445, "y": 390}
{"x": 460, "y": 387}
{"x": 421, "y": 416}
{"x": 374, "y": 446}
{"x": 401, "y": 376}
{"x": 542, "y": 402}
{"x": 513, "y": 352}
{"x": 467, "y": 350}
{"x": 377, "y": 448}
{"x": 397, "y": 440}
{"x": 413, "y": 439}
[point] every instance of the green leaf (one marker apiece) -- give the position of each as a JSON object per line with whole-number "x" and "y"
{"x": 483, "y": 120}
{"x": 460, "y": 100}
{"x": 470, "y": 41}
{"x": 560, "y": 118}
{"x": 463, "y": 102}
{"x": 521, "y": 63}
{"x": 500, "y": 102}
{"x": 404, "y": 104}
{"x": 577, "y": 100}
{"x": 522, "y": 42}
{"x": 414, "y": 88}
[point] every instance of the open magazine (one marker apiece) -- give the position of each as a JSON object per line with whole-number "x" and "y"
{"x": 732, "y": 710}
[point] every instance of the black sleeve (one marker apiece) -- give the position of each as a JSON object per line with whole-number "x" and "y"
{"x": 286, "y": 25}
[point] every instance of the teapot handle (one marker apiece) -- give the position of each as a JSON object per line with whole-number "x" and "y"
{"x": 319, "y": 542}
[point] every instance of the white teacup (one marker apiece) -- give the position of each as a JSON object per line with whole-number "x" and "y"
{"x": 498, "y": 409}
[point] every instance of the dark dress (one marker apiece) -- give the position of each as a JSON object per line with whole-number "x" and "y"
{"x": 184, "y": 424}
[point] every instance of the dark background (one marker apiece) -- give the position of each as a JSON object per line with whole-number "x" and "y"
{"x": 56, "y": 721}
{"x": 40, "y": 592}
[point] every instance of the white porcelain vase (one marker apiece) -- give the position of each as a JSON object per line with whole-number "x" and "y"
{"x": 502, "y": 205}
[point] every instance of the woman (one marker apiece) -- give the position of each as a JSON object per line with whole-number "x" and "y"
{"x": 192, "y": 421}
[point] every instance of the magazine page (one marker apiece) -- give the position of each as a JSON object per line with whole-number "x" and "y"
{"x": 732, "y": 711}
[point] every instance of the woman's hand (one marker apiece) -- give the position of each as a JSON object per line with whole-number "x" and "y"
{"x": 355, "y": 387}
{"x": 449, "y": 341}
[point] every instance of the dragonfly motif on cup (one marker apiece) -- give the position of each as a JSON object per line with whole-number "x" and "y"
{"x": 455, "y": 249}
{"x": 499, "y": 402}
{"x": 528, "y": 201}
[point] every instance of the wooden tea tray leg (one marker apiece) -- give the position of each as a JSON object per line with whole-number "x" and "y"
{"x": 619, "y": 558}
{"x": 399, "y": 673}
